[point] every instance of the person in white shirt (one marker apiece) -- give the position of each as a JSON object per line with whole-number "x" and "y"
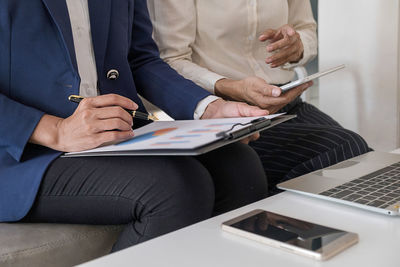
{"x": 243, "y": 50}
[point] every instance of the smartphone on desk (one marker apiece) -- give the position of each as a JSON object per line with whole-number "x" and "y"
{"x": 290, "y": 234}
{"x": 296, "y": 83}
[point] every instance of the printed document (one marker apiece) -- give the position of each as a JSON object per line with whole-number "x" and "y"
{"x": 176, "y": 135}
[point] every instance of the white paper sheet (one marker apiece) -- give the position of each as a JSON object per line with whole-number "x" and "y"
{"x": 184, "y": 134}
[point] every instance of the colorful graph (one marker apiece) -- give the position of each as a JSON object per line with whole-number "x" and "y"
{"x": 180, "y": 137}
{"x": 220, "y": 124}
{"x": 170, "y": 143}
{"x": 207, "y": 130}
{"x": 147, "y": 136}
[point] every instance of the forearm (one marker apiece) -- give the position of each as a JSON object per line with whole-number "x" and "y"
{"x": 203, "y": 77}
{"x": 301, "y": 17}
{"x": 162, "y": 86}
{"x": 229, "y": 89}
{"x": 309, "y": 40}
{"x": 155, "y": 79}
{"x": 175, "y": 28}
{"x": 17, "y": 121}
{"x": 46, "y": 132}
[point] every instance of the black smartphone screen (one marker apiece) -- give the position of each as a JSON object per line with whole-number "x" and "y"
{"x": 295, "y": 232}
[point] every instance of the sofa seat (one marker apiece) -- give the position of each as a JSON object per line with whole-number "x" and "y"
{"x": 23, "y": 244}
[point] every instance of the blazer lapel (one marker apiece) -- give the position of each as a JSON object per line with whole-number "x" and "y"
{"x": 100, "y": 13}
{"x": 59, "y": 13}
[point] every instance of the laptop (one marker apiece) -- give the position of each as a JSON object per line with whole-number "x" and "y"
{"x": 370, "y": 181}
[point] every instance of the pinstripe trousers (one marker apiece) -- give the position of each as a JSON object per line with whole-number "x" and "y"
{"x": 307, "y": 143}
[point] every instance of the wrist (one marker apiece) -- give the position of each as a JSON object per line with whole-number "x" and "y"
{"x": 298, "y": 59}
{"x": 58, "y": 133}
{"x": 46, "y": 132}
{"x": 229, "y": 89}
{"x": 212, "y": 109}
{"x": 300, "y": 54}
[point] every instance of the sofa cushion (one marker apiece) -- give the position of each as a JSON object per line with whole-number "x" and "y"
{"x": 23, "y": 244}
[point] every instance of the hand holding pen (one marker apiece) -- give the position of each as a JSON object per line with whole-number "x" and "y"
{"x": 134, "y": 113}
{"x": 96, "y": 121}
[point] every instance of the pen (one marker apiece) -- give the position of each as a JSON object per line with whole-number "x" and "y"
{"x": 134, "y": 113}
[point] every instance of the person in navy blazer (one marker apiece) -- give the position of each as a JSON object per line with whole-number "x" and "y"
{"x": 153, "y": 195}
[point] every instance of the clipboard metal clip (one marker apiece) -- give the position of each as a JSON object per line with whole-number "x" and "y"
{"x": 252, "y": 126}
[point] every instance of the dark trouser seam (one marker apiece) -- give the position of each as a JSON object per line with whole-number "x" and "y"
{"x": 145, "y": 227}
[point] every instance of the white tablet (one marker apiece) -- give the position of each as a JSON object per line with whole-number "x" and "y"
{"x": 293, "y": 84}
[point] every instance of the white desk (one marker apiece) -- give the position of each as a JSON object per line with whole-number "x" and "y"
{"x": 205, "y": 245}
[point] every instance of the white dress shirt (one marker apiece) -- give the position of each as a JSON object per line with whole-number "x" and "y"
{"x": 81, "y": 31}
{"x": 207, "y": 40}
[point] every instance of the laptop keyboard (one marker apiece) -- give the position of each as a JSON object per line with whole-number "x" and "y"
{"x": 378, "y": 189}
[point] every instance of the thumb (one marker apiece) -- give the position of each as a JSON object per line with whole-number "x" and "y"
{"x": 271, "y": 90}
{"x": 255, "y": 137}
{"x": 268, "y": 34}
{"x": 262, "y": 87}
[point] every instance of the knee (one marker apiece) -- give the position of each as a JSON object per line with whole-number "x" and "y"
{"x": 185, "y": 192}
{"x": 351, "y": 143}
{"x": 248, "y": 171}
{"x": 239, "y": 176}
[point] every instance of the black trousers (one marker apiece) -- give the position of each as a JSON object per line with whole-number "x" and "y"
{"x": 307, "y": 143}
{"x": 151, "y": 195}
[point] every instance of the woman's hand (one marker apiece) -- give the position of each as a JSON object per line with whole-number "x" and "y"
{"x": 97, "y": 121}
{"x": 258, "y": 92}
{"x": 251, "y": 138}
{"x": 286, "y": 45}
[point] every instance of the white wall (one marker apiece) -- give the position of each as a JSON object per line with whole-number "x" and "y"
{"x": 363, "y": 34}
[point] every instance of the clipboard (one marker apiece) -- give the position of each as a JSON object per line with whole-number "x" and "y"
{"x": 236, "y": 132}
{"x": 240, "y": 134}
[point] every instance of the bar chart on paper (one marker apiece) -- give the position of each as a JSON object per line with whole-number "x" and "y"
{"x": 147, "y": 136}
{"x": 158, "y": 138}
{"x": 174, "y": 136}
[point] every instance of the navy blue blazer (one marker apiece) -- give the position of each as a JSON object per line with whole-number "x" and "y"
{"x": 38, "y": 72}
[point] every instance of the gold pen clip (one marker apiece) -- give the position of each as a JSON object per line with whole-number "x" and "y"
{"x": 148, "y": 116}
{"x": 76, "y": 97}
{"x": 153, "y": 117}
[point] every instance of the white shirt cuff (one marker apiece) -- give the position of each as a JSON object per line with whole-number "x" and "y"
{"x": 209, "y": 80}
{"x": 202, "y": 105}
